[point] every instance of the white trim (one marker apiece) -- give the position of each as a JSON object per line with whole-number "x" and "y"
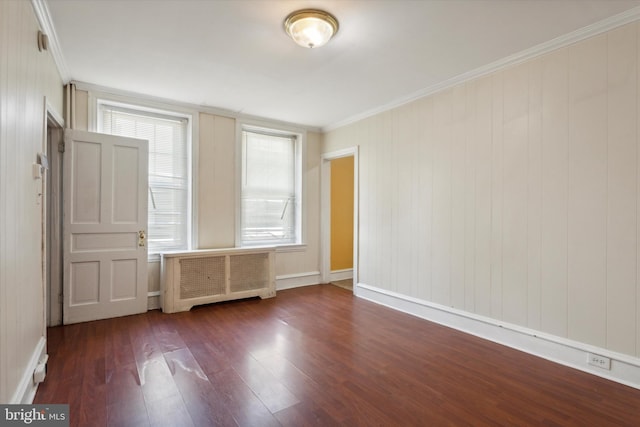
{"x": 345, "y": 274}
{"x": 290, "y": 248}
{"x": 338, "y": 154}
{"x": 52, "y": 112}
{"x": 45, "y": 22}
{"x": 237, "y": 186}
{"x": 279, "y": 248}
{"x": 624, "y": 369}
{"x": 289, "y": 281}
{"x": 149, "y": 99}
{"x": 519, "y": 57}
{"x": 325, "y": 210}
{"x": 193, "y": 133}
{"x": 92, "y": 111}
{"x": 26, "y": 390}
{"x": 52, "y": 281}
{"x": 72, "y": 104}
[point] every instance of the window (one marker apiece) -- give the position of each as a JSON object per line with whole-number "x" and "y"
{"x": 270, "y": 195}
{"x": 168, "y": 205}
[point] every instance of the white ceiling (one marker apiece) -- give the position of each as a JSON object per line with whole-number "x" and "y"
{"x": 234, "y": 55}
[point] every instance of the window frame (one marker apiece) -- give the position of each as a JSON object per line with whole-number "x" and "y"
{"x": 98, "y": 99}
{"x": 300, "y": 156}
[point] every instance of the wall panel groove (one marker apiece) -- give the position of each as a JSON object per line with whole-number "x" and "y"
{"x": 530, "y": 179}
{"x": 26, "y": 77}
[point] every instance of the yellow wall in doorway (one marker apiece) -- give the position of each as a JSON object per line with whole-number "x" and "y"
{"x": 342, "y": 213}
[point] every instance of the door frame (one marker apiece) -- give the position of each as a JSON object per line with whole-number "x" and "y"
{"x": 325, "y": 212}
{"x": 53, "y": 128}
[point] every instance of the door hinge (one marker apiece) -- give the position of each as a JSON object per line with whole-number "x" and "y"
{"x": 61, "y": 146}
{"x": 60, "y": 298}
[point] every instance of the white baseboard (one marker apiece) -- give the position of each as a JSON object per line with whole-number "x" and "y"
{"x": 624, "y": 369}
{"x": 345, "y": 274}
{"x": 289, "y": 281}
{"x": 26, "y": 390}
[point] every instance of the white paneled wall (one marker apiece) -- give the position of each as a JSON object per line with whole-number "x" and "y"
{"x": 514, "y": 196}
{"x": 622, "y": 189}
{"x": 26, "y": 77}
{"x": 216, "y": 175}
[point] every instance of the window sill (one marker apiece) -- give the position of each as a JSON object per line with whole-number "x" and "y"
{"x": 298, "y": 247}
{"x": 295, "y": 247}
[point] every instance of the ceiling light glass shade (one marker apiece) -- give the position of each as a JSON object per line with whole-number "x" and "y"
{"x": 311, "y": 27}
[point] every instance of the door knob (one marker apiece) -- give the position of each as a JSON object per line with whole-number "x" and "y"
{"x": 141, "y": 238}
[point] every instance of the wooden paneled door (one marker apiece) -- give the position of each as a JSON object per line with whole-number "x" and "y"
{"x": 105, "y": 183}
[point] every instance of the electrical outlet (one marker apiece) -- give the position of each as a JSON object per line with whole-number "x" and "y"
{"x": 599, "y": 361}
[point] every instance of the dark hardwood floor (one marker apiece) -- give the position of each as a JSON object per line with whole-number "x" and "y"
{"x": 312, "y": 356}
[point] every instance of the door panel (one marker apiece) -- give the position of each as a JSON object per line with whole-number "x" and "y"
{"x": 85, "y": 283}
{"x": 86, "y": 163}
{"x": 105, "y": 209}
{"x": 125, "y": 195}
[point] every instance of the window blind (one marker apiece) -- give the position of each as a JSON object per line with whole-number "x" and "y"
{"x": 168, "y": 212}
{"x": 269, "y": 202}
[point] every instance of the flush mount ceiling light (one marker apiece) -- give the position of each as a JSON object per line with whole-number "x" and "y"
{"x": 311, "y": 27}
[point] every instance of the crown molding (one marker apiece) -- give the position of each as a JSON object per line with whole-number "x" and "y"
{"x": 46, "y": 25}
{"x": 591, "y": 30}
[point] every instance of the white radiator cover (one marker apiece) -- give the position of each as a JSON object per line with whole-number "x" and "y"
{"x": 206, "y": 276}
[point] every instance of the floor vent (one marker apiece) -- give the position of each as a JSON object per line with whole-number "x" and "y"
{"x": 206, "y": 276}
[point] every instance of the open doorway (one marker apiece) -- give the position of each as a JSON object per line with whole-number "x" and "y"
{"x": 52, "y": 219}
{"x": 340, "y": 218}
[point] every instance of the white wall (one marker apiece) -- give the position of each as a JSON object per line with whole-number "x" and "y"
{"x": 26, "y": 77}
{"x": 514, "y": 196}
